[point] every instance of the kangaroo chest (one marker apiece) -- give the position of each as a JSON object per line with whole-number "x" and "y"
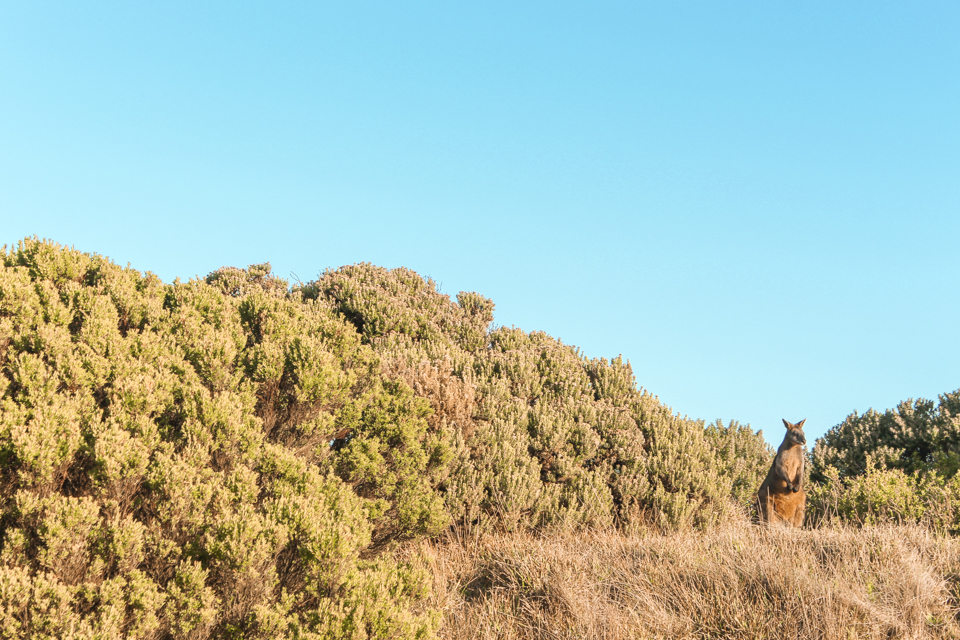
{"x": 792, "y": 466}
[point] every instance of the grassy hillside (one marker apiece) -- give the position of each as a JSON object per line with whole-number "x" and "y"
{"x": 235, "y": 458}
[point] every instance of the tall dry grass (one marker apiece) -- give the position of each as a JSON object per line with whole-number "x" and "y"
{"x": 736, "y": 581}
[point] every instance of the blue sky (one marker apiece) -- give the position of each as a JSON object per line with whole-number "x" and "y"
{"x": 758, "y": 204}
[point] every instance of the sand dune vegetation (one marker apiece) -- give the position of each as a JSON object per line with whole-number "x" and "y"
{"x": 361, "y": 456}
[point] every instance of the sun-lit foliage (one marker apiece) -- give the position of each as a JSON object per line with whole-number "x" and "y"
{"x": 232, "y": 457}
{"x": 896, "y": 466}
{"x": 201, "y": 459}
{"x": 545, "y": 436}
{"x": 918, "y": 436}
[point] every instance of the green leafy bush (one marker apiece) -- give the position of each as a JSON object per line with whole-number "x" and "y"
{"x": 230, "y": 458}
{"x": 919, "y": 435}
{"x": 887, "y": 495}
{"x": 542, "y": 436}
{"x": 899, "y": 465}
{"x": 742, "y": 457}
{"x": 194, "y": 460}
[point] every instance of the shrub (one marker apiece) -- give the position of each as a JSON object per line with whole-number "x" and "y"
{"x": 166, "y": 467}
{"x": 743, "y": 457}
{"x": 229, "y": 458}
{"x": 882, "y": 495}
{"x": 919, "y": 435}
{"x": 899, "y": 465}
{"x": 547, "y": 437}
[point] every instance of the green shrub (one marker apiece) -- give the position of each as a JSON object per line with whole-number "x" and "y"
{"x": 899, "y": 465}
{"x": 228, "y": 458}
{"x": 381, "y": 302}
{"x": 688, "y": 485}
{"x": 878, "y": 495}
{"x": 543, "y": 436}
{"x": 885, "y": 495}
{"x": 919, "y": 435}
{"x": 166, "y": 467}
{"x": 742, "y": 457}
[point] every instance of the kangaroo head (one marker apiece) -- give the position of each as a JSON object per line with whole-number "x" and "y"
{"x": 795, "y": 433}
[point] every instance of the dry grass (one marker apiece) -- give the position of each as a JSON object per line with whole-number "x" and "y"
{"x": 737, "y": 581}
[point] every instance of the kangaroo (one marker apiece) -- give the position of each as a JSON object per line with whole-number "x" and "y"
{"x": 781, "y": 497}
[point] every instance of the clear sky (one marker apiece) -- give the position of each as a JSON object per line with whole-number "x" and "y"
{"x": 757, "y": 203}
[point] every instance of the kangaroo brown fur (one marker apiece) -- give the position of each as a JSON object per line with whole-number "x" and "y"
{"x": 781, "y": 497}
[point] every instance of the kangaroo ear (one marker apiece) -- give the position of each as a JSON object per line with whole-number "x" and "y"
{"x": 786, "y": 424}
{"x": 800, "y": 424}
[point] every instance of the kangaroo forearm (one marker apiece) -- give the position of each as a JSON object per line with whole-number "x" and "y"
{"x": 782, "y": 472}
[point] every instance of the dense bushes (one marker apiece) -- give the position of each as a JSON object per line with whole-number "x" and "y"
{"x": 229, "y": 457}
{"x": 544, "y": 437}
{"x": 896, "y": 466}
{"x": 887, "y": 495}
{"x": 919, "y": 435}
{"x": 167, "y": 466}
